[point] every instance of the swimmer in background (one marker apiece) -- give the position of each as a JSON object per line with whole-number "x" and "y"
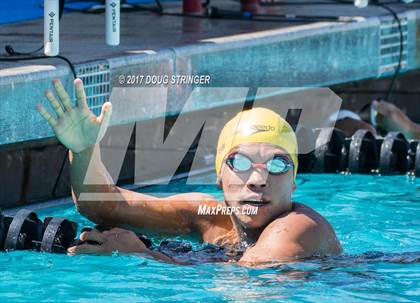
{"x": 349, "y": 122}
{"x": 256, "y": 166}
{"x": 391, "y": 118}
{"x": 385, "y": 116}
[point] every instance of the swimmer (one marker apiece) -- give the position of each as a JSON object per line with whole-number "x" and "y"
{"x": 384, "y": 116}
{"x": 391, "y": 118}
{"x": 349, "y": 122}
{"x": 256, "y": 166}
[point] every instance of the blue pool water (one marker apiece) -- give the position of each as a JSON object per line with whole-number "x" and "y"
{"x": 376, "y": 219}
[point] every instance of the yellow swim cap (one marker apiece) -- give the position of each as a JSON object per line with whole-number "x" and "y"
{"x": 257, "y": 125}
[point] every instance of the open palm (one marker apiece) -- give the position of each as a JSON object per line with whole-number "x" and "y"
{"x": 76, "y": 127}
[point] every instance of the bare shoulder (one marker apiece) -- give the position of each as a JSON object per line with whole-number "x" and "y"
{"x": 307, "y": 231}
{"x": 306, "y": 217}
{"x": 301, "y": 220}
{"x": 300, "y": 233}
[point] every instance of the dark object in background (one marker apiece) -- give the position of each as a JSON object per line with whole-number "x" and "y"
{"x": 417, "y": 161}
{"x": 59, "y": 233}
{"x": 330, "y": 157}
{"x": 25, "y": 231}
{"x": 394, "y": 154}
{"x": 306, "y": 139}
{"x": 168, "y": 247}
{"x": 2, "y": 231}
{"x": 363, "y": 152}
{"x": 414, "y": 157}
{"x": 22, "y": 230}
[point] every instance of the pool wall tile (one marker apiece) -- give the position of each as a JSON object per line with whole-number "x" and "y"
{"x": 288, "y": 57}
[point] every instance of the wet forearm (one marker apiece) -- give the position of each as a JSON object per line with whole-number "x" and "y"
{"x": 89, "y": 176}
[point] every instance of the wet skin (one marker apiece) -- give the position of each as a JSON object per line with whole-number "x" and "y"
{"x": 281, "y": 231}
{"x": 391, "y": 118}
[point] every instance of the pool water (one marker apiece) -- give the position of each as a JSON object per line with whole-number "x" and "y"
{"x": 376, "y": 219}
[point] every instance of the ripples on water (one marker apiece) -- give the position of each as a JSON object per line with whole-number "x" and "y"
{"x": 376, "y": 219}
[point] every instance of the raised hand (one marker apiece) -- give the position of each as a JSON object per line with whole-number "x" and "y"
{"x": 76, "y": 127}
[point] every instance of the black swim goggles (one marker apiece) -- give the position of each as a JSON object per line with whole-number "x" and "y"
{"x": 278, "y": 165}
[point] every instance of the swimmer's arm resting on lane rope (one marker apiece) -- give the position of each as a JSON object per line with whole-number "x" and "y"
{"x": 175, "y": 214}
{"x": 117, "y": 240}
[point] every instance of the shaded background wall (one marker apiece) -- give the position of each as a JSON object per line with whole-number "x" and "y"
{"x": 405, "y": 94}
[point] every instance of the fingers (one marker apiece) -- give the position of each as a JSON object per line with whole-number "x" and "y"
{"x": 103, "y": 119}
{"x": 105, "y": 115}
{"x": 47, "y": 116}
{"x": 85, "y": 249}
{"x": 54, "y": 103}
{"x": 93, "y": 235}
{"x": 64, "y": 96}
{"x": 80, "y": 93}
